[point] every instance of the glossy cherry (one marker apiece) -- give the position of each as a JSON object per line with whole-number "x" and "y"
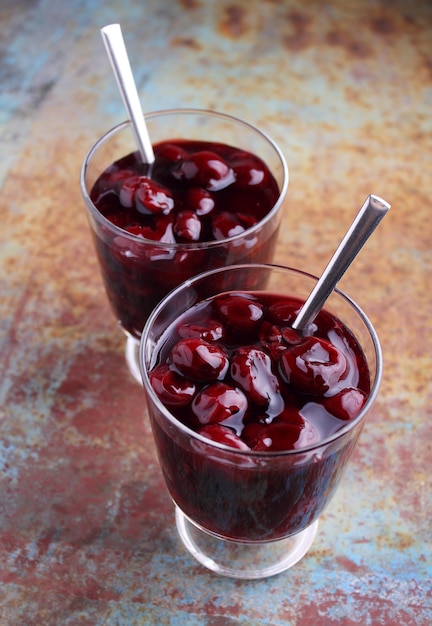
{"x": 313, "y": 367}
{"x": 225, "y": 225}
{"x": 170, "y": 152}
{"x": 187, "y": 226}
{"x": 206, "y": 169}
{"x": 152, "y": 198}
{"x": 113, "y": 178}
{"x": 162, "y": 231}
{"x": 277, "y": 437}
{"x": 200, "y": 200}
{"x": 224, "y": 435}
{"x": 249, "y": 172}
{"x": 172, "y": 389}
{"x": 239, "y": 313}
{"x": 346, "y": 404}
{"x": 283, "y": 311}
{"x": 251, "y": 369}
{"x": 199, "y": 360}
{"x": 210, "y": 330}
{"x": 219, "y": 402}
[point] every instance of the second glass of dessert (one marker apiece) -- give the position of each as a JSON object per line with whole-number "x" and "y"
{"x": 254, "y": 422}
{"x": 212, "y": 198}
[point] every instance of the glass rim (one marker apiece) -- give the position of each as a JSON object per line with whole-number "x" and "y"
{"x": 117, "y": 230}
{"x": 348, "y": 427}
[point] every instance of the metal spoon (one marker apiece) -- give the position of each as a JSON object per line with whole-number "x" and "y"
{"x": 368, "y": 218}
{"x": 117, "y": 54}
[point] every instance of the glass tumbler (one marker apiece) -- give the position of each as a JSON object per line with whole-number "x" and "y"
{"x": 138, "y": 272}
{"x": 242, "y": 513}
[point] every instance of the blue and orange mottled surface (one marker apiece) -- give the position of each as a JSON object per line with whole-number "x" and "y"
{"x": 86, "y": 526}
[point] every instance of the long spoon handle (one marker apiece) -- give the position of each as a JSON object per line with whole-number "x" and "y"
{"x": 368, "y": 218}
{"x": 117, "y": 54}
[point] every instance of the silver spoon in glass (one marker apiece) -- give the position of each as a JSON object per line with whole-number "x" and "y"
{"x": 117, "y": 54}
{"x": 368, "y": 218}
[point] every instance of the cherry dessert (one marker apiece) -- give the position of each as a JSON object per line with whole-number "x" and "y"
{"x": 233, "y": 370}
{"x": 197, "y": 192}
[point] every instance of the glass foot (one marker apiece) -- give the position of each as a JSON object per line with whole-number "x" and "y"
{"x": 131, "y": 355}
{"x": 243, "y": 560}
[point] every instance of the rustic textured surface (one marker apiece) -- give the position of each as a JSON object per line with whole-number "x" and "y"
{"x": 86, "y": 526}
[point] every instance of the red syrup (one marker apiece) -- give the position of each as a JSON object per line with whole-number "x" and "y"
{"x": 198, "y": 193}
{"x": 233, "y": 370}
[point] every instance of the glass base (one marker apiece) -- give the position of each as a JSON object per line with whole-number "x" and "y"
{"x": 131, "y": 355}
{"x": 243, "y": 560}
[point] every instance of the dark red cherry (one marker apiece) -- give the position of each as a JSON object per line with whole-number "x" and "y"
{"x": 290, "y": 336}
{"x": 247, "y": 176}
{"x": 200, "y": 200}
{"x": 153, "y": 198}
{"x": 219, "y": 402}
{"x": 252, "y": 432}
{"x": 113, "y": 179}
{"x": 251, "y": 369}
{"x": 276, "y": 437}
{"x": 271, "y": 339}
{"x": 346, "y": 404}
{"x": 206, "y": 169}
{"x": 280, "y": 436}
{"x": 162, "y": 231}
{"x": 187, "y": 226}
{"x": 270, "y": 333}
{"x": 249, "y": 171}
{"x": 224, "y": 435}
{"x": 276, "y": 339}
{"x": 170, "y": 387}
{"x": 199, "y": 360}
{"x": 313, "y": 366}
{"x": 239, "y": 313}
{"x": 246, "y": 219}
{"x": 170, "y": 152}
{"x": 210, "y": 330}
{"x": 283, "y": 312}
{"x": 226, "y": 225}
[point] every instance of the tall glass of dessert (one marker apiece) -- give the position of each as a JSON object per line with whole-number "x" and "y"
{"x": 213, "y": 197}
{"x": 255, "y": 422}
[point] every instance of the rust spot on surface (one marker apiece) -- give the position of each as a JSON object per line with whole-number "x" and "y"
{"x": 382, "y": 26}
{"x": 352, "y": 45}
{"x": 186, "y": 42}
{"x": 298, "y": 41}
{"x": 300, "y": 38}
{"x": 233, "y": 21}
{"x": 349, "y": 565}
{"x": 427, "y": 62}
{"x": 190, "y": 4}
{"x": 299, "y": 20}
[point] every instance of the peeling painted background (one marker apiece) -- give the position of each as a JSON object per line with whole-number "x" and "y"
{"x": 86, "y": 526}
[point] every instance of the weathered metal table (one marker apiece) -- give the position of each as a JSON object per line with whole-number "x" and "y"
{"x": 86, "y": 525}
